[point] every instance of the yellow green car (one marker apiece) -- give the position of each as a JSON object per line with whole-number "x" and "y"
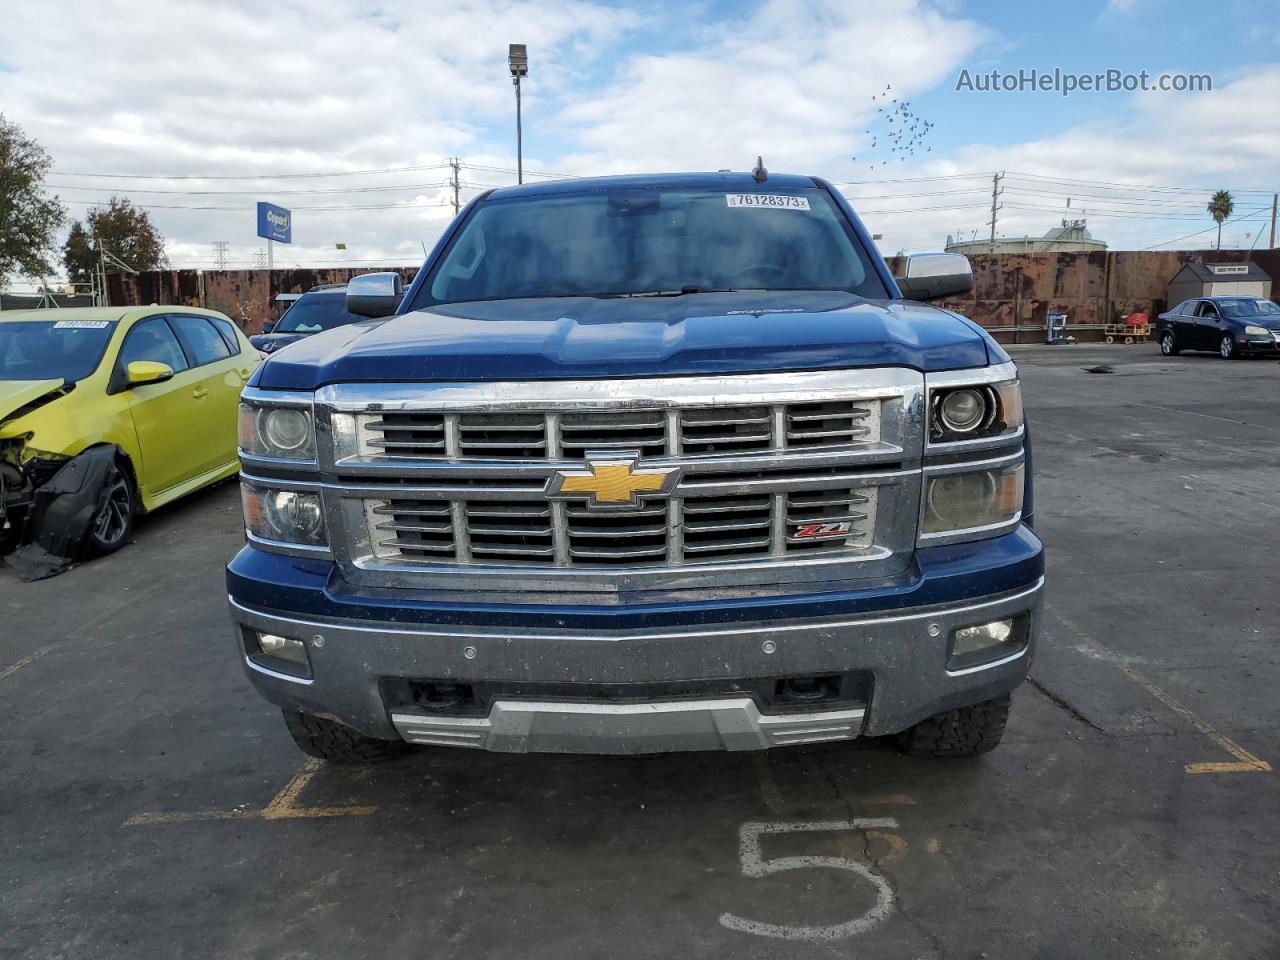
{"x": 105, "y": 413}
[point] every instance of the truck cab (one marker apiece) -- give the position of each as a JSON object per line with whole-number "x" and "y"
{"x": 635, "y": 465}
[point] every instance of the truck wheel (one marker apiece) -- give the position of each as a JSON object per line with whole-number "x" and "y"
{"x": 112, "y": 525}
{"x": 959, "y": 733}
{"x": 337, "y": 743}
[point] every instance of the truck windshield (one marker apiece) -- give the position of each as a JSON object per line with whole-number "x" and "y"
{"x": 313, "y": 314}
{"x": 630, "y": 241}
{"x": 67, "y": 350}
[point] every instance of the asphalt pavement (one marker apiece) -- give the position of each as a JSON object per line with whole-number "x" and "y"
{"x": 151, "y": 805}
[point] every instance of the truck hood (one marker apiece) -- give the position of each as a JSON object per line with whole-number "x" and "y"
{"x": 18, "y": 394}
{"x": 268, "y": 342}
{"x": 592, "y": 337}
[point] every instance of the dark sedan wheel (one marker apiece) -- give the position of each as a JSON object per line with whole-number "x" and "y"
{"x": 113, "y": 523}
{"x": 1167, "y": 345}
{"x": 1227, "y": 347}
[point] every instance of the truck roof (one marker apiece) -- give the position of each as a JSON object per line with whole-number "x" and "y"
{"x": 740, "y": 181}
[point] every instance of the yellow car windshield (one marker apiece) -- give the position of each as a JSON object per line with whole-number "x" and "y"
{"x": 67, "y": 350}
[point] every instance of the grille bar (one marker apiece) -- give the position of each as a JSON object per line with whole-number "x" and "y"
{"x": 693, "y": 431}
{"x": 686, "y": 530}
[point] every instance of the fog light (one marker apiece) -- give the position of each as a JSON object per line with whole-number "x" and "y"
{"x": 986, "y": 642}
{"x": 283, "y": 648}
{"x": 974, "y": 639}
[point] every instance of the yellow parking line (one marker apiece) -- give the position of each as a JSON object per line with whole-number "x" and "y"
{"x": 283, "y": 806}
{"x": 1246, "y": 762}
{"x": 142, "y": 819}
{"x": 25, "y": 661}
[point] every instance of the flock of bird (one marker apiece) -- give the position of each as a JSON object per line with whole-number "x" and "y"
{"x": 902, "y": 131}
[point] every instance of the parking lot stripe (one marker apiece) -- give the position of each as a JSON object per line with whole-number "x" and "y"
{"x": 283, "y": 806}
{"x": 1245, "y": 762}
{"x": 25, "y": 661}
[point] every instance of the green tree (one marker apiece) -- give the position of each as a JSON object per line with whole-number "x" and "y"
{"x": 28, "y": 219}
{"x": 123, "y": 230}
{"x": 1220, "y": 208}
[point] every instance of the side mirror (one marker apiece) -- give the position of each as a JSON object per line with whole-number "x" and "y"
{"x": 374, "y": 294}
{"x": 141, "y": 372}
{"x": 269, "y": 325}
{"x": 929, "y": 276}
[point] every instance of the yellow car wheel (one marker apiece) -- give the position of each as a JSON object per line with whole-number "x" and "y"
{"x": 112, "y": 525}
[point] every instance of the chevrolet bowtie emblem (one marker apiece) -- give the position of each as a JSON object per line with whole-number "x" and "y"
{"x": 612, "y": 481}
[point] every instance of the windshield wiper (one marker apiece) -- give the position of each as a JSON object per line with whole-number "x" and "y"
{"x": 683, "y": 291}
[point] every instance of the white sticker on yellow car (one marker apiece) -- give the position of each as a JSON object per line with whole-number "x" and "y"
{"x": 81, "y": 325}
{"x": 767, "y": 201}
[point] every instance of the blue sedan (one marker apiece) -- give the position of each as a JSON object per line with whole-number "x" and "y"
{"x": 1229, "y": 326}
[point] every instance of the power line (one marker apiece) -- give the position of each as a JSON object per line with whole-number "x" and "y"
{"x": 233, "y": 193}
{"x": 952, "y": 176}
{"x": 1127, "y": 186}
{"x": 254, "y": 176}
{"x": 1245, "y": 216}
{"x": 356, "y": 206}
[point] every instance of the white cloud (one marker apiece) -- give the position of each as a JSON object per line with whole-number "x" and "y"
{"x": 792, "y": 81}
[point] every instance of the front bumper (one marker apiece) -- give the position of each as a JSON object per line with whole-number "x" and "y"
{"x": 901, "y": 651}
{"x": 1262, "y": 346}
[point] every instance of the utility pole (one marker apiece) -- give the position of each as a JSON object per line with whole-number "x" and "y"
{"x": 995, "y": 205}
{"x": 455, "y": 164}
{"x": 220, "y": 255}
{"x": 1274, "y": 197}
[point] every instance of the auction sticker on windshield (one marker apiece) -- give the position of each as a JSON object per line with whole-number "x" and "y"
{"x": 81, "y": 325}
{"x": 776, "y": 201}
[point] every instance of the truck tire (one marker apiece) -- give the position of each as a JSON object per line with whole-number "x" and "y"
{"x": 965, "y": 732}
{"x": 332, "y": 741}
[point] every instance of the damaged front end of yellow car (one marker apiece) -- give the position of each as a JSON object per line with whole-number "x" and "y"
{"x": 48, "y": 500}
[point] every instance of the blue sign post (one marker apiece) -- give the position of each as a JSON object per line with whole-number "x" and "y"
{"x": 276, "y": 225}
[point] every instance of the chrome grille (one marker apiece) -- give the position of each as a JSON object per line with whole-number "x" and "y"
{"x": 683, "y": 530}
{"x": 690, "y": 431}
{"x": 424, "y": 478}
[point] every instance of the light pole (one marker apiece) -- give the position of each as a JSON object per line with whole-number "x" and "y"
{"x": 518, "y": 61}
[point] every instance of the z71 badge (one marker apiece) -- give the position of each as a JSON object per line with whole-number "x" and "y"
{"x": 822, "y": 531}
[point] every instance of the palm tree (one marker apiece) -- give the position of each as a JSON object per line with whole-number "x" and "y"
{"x": 1220, "y": 208}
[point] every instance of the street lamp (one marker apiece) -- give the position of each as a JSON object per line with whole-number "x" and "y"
{"x": 518, "y": 61}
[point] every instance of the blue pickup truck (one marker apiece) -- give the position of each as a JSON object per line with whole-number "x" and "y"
{"x": 641, "y": 464}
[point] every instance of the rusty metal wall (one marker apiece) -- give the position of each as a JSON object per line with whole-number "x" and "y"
{"x": 1010, "y": 290}
{"x": 247, "y": 296}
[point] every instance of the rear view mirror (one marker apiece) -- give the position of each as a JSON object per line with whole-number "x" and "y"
{"x": 929, "y": 276}
{"x": 141, "y": 372}
{"x": 374, "y": 294}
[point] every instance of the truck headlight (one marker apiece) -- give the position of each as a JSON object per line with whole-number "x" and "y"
{"x": 1253, "y": 330}
{"x": 286, "y": 433}
{"x": 284, "y": 516}
{"x": 972, "y": 412}
{"x": 971, "y": 500}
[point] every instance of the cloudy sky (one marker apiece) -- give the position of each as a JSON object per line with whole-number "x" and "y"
{"x": 347, "y": 111}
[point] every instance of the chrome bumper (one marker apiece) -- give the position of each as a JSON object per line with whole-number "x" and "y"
{"x": 517, "y": 726}
{"x": 904, "y": 652}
